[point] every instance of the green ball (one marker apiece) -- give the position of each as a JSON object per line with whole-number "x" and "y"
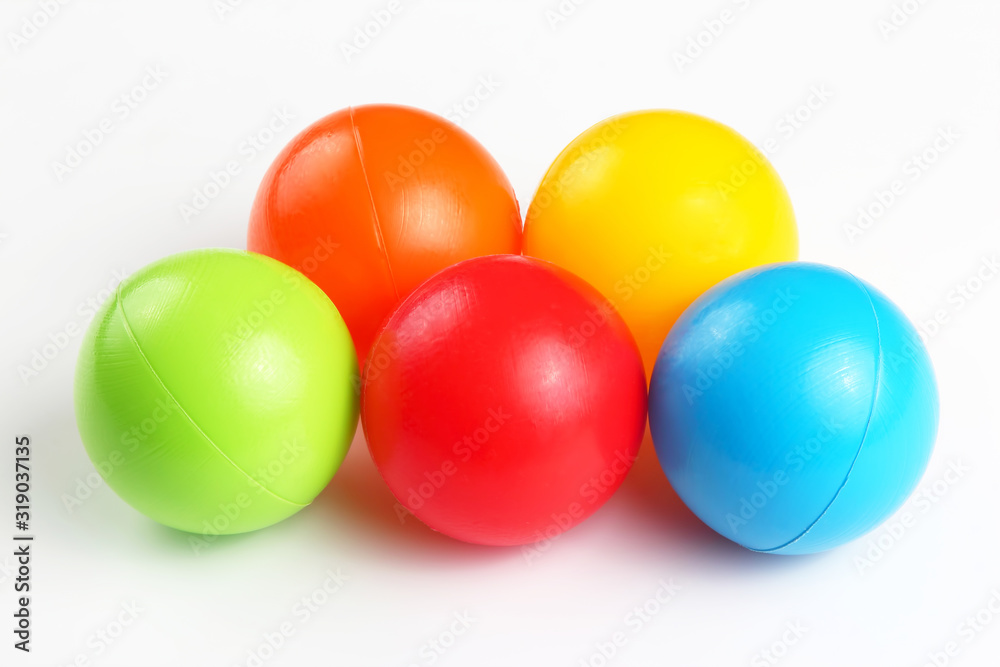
{"x": 216, "y": 391}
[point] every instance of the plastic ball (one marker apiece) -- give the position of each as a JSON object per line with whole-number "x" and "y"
{"x": 216, "y": 391}
{"x": 504, "y": 401}
{"x": 370, "y": 201}
{"x": 654, "y": 207}
{"x": 793, "y": 408}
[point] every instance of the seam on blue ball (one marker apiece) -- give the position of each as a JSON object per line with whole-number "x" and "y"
{"x": 156, "y": 376}
{"x": 864, "y": 437}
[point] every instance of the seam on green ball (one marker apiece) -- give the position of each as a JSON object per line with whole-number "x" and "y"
{"x": 156, "y": 376}
{"x": 864, "y": 436}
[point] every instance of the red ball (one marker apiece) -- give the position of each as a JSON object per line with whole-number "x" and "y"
{"x": 504, "y": 401}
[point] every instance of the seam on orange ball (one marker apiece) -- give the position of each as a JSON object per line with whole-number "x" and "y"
{"x": 371, "y": 199}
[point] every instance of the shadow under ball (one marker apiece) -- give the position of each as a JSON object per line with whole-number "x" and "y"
{"x": 793, "y": 408}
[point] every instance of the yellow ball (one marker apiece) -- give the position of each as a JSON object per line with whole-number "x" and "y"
{"x": 655, "y": 207}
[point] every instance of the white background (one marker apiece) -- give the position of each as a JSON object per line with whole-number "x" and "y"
{"x": 65, "y": 236}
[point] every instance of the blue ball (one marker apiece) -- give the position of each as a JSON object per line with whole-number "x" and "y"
{"x": 793, "y": 408}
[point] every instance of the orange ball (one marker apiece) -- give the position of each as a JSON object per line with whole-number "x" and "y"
{"x": 370, "y": 201}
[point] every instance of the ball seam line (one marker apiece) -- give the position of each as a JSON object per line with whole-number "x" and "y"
{"x": 379, "y": 237}
{"x": 156, "y": 376}
{"x": 864, "y": 436}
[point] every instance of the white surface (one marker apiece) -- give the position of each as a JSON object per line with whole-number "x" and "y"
{"x": 63, "y": 242}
